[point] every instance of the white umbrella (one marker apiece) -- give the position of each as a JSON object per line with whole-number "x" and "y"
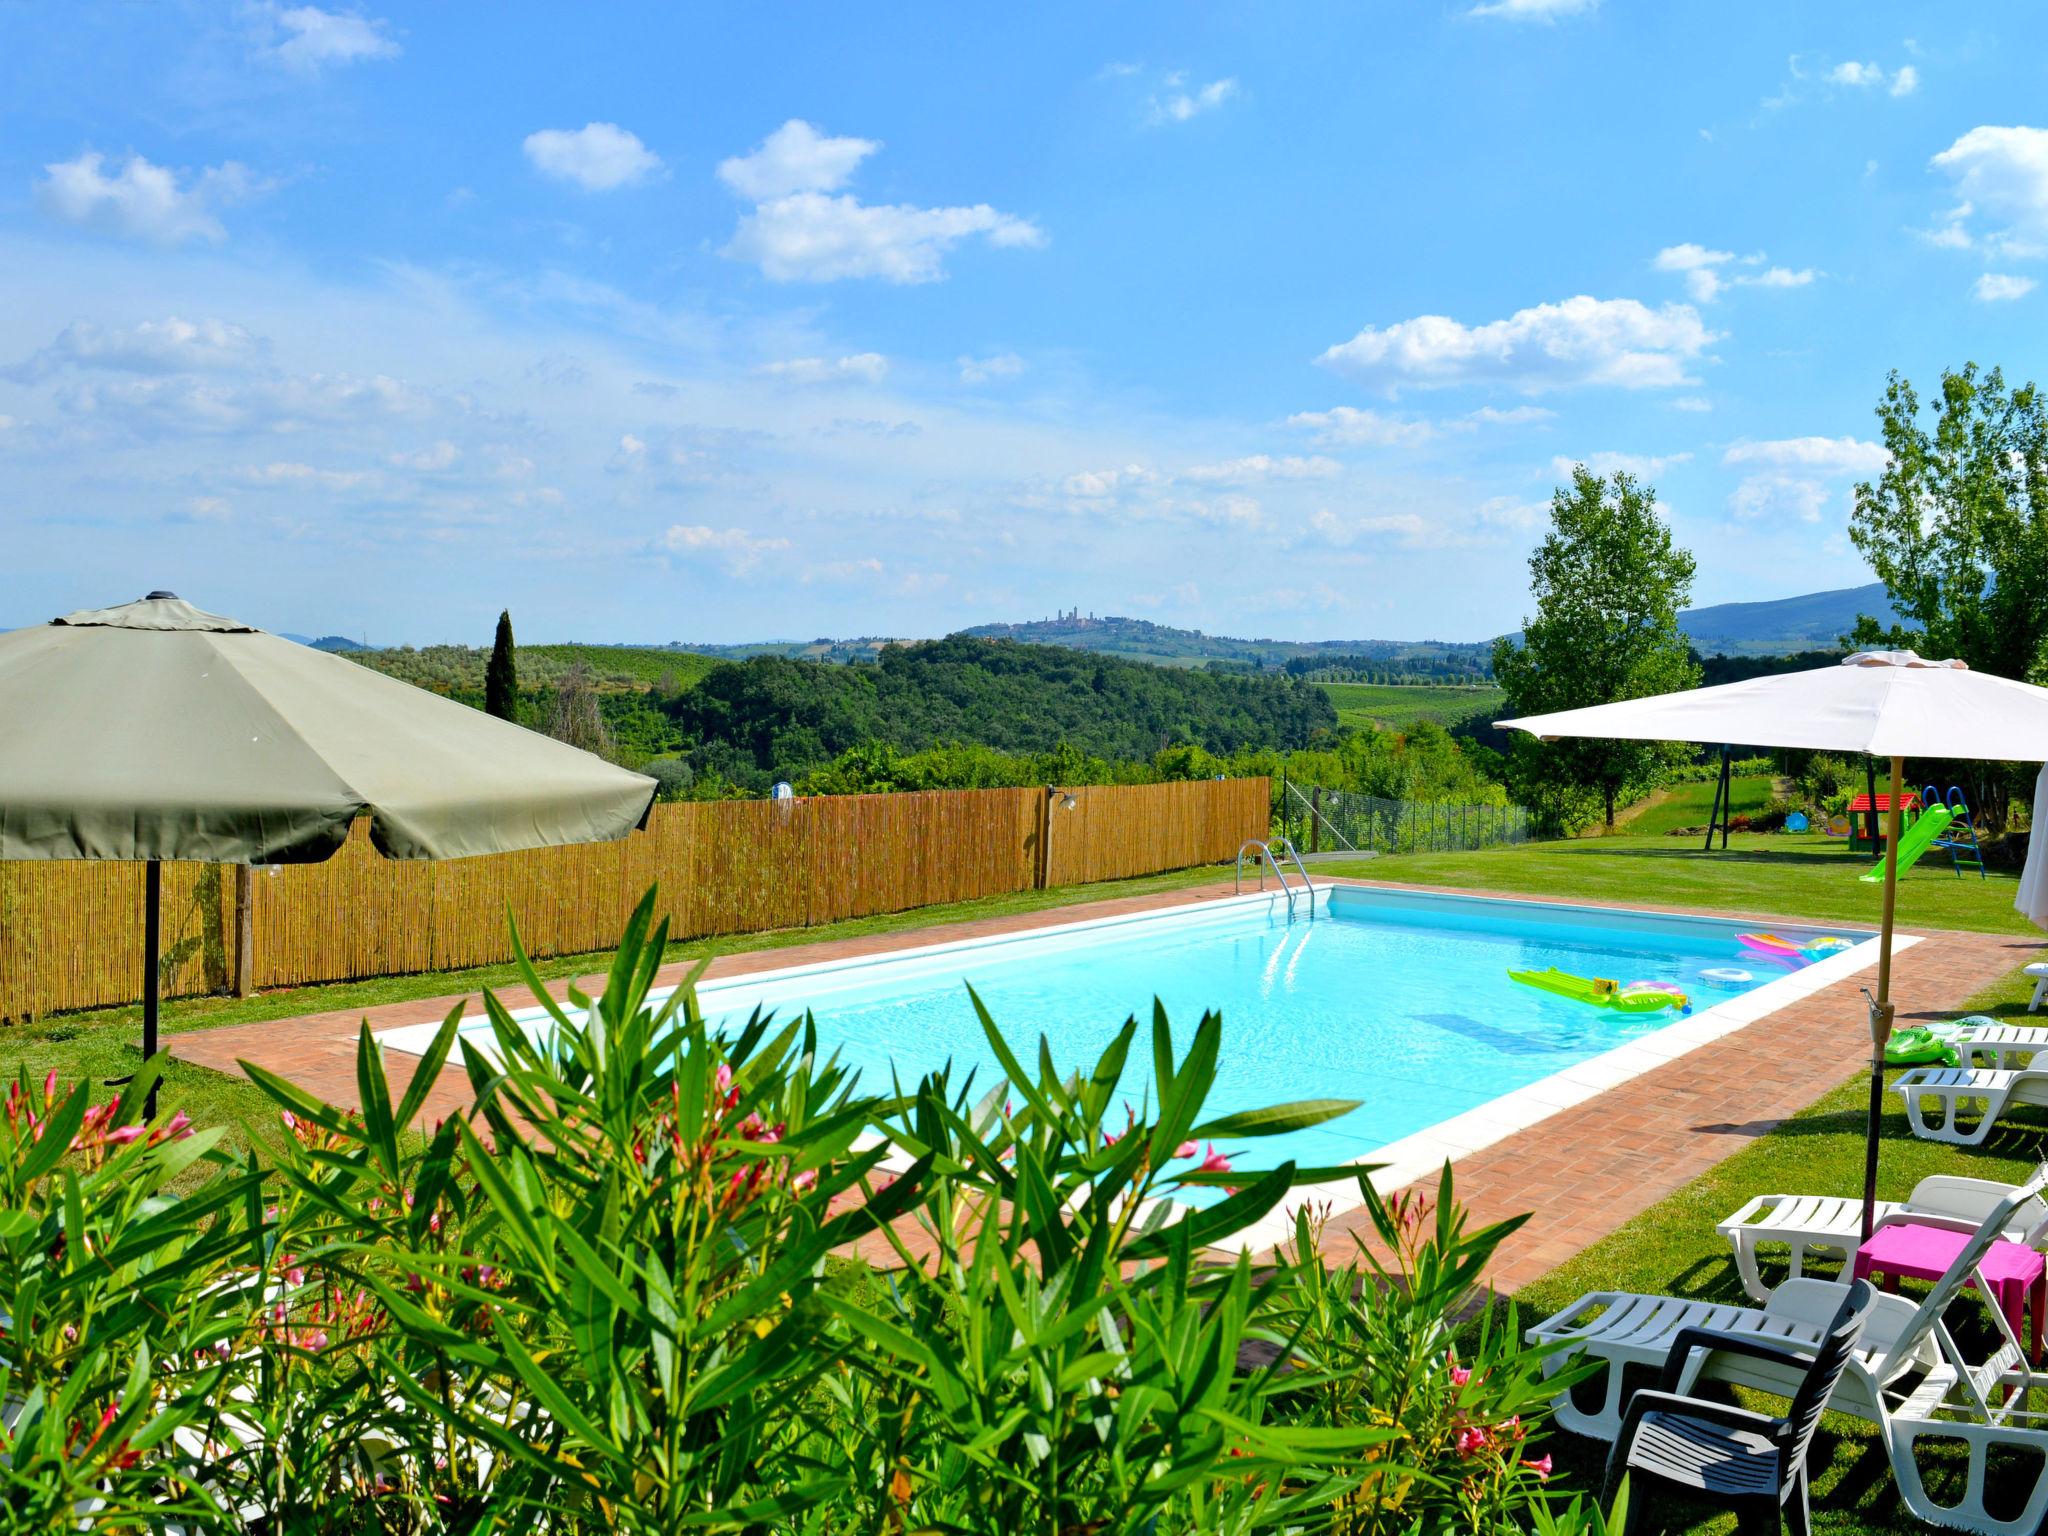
{"x": 2031, "y": 900}
{"x": 1884, "y": 703}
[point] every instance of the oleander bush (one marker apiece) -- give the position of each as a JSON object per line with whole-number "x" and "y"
{"x": 667, "y": 1278}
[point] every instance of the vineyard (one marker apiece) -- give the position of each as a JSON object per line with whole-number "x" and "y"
{"x": 1398, "y": 706}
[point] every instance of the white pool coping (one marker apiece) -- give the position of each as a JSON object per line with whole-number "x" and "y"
{"x": 1397, "y": 1163}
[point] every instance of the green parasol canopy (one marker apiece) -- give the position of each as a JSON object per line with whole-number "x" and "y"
{"x": 153, "y": 731}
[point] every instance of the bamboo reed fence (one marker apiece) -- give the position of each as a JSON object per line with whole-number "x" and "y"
{"x": 71, "y": 932}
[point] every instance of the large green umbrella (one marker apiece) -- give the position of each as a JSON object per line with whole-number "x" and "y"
{"x": 153, "y": 731}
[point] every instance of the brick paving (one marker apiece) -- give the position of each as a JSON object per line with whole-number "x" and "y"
{"x": 1584, "y": 1171}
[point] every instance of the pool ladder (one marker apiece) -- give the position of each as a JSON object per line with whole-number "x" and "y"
{"x": 1266, "y": 854}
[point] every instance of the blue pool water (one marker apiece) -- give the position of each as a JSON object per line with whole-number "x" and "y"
{"x": 1399, "y": 1000}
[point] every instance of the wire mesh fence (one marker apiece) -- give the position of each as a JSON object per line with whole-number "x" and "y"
{"x": 1323, "y": 820}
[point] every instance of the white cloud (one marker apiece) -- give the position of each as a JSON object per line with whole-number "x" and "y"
{"x": 799, "y": 232}
{"x": 1799, "y": 476}
{"x": 1707, "y": 272}
{"x": 1510, "y": 513}
{"x": 1996, "y": 287}
{"x": 1346, "y": 426}
{"x": 1826, "y": 455}
{"x": 290, "y": 473}
{"x": 310, "y": 38}
{"x": 1261, "y": 466}
{"x": 1513, "y": 416}
{"x": 869, "y": 367}
{"x": 1179, "y": 105}
{"x": 809, "y": 237}
{"x": 209, "y": 509}
{"x": 795, "y": 158}
{"x": 153, "y": 346}
{"x": 144, "y": 201}
{"x": 1779, "y": 497}
{"x": 1859, "y": 75}
{"x": 1581, "y": 341}
{"x": 1692, "y": 403}
{"x": 437, "y": 456}
{"x": 1643, "y": 466}
{"x": 1533, "y": 10}
{"x": 980, "y": 370}
{"x": 739, "y": 550}
{"x": 184, "y": 403}
{"x": 1107, "y": 482}
{"x": 2001, "y": 173}
{"x": 1409, "y": 530}
{"x": 598, "y": 157}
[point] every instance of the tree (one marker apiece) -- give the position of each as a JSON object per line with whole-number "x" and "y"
{"x": 1957, "y": 525}
{"x": 501, "y": 675}
{"x": 1608, "y": 583}
{"x": 1957, "y": 530}
{"x": 575, "y": 716}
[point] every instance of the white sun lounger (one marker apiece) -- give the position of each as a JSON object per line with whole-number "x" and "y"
{"x": 1908, "y": 1375}
{"x": 2037, "y": 969}
{"x": 1832, "y": 1225}
{"x": 1940, "y": 1100}
{"x": 2009, "y": 1047}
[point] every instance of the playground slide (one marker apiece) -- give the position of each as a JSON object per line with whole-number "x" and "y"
{"x": 1917, "y": 839}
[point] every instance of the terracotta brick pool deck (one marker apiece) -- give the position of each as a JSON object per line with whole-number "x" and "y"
{"x": 1583, "y": 1171}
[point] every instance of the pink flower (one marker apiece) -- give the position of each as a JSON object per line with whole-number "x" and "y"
{"x": 1471, "y": 1441}
{"x": 1214, "y": 1162}
{"x": 1540, "y": 1466}
{"x": 1185, "y": 1149}
{"x": 723, "y": 1077}
{"x": 1460, "y": 1375}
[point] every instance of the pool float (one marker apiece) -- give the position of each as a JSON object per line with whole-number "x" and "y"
{"x": 1726, "y": 976}
{"x": 1790, "y": 950}
{"x": 1918, "y": 1047}
{"x": 1636, "y": 997}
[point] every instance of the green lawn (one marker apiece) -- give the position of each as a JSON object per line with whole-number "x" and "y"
{"x": 1800, "y": 876}
{"x": 1672, "y": 1249}
{"x": 103, "y": 1044}
{"x": 1689, "y": 805}
{"x": 646, "y": 664}
{"x": 1398, "y": 707}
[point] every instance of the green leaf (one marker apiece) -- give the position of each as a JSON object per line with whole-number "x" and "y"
{"x": 1277, "y": 1119}
{"x": 1209, "y": 1224}
{"x": 428, "y": 1072}
{"x": 375, "y": 1092}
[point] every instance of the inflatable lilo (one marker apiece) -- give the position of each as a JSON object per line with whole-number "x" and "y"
{"x": 1792, "y": 951}
{"x": 1636, "y": 997}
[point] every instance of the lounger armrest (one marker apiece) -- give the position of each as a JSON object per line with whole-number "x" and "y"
{"x": 1715, "y": 1342}
{"x": 1557, "y": 1322}
{"x": 1963, "y": 1224}
{"x": 1755, "y": 1207}
{"x": 1645, "y": 1402}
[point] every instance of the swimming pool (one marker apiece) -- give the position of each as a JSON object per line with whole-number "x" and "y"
{"x": 1398, "y": 999}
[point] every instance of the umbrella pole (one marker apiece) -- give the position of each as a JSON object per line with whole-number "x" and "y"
{"x": 1881, "y": 1010}
{"x": 152, "y": 923}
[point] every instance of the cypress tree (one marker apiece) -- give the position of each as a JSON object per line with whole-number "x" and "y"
{"x": 501, "y": 677}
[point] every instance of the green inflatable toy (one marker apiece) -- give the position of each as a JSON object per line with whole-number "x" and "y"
{"x": 1918, "y": 1047}
{"x": 1636, "y": 997}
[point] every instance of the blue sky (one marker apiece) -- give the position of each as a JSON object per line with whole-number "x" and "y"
{"x": 737, "y": 322}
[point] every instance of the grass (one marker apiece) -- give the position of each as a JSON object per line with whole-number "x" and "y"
{"x": 1689, "y": 805}
{"x": 643, "y": 664}
{"x": 1398, "y": 707}
{"x": 103, "y": 1044}
{"x": 1791, "y": 876}
{"x": 1672, "y": 1248}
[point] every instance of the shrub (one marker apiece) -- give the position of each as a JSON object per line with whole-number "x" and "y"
{"x": 615, "y": 1298}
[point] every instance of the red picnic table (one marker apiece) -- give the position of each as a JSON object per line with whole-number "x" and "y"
{"x": 2016, "y": 1274}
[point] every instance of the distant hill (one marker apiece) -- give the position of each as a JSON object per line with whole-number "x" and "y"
{"x": 1142, "y": 640}
{"x": 327, "y": 642}
{"x": 1815, "y": 621}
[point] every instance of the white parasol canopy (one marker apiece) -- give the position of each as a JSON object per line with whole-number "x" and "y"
{"x": 1885, "y": 703}
{"x": 2031, "y": 900}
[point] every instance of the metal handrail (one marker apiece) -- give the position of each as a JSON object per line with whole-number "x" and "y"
{"x": 1307, "y": 886}
{"x": 1269, "y": 857}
